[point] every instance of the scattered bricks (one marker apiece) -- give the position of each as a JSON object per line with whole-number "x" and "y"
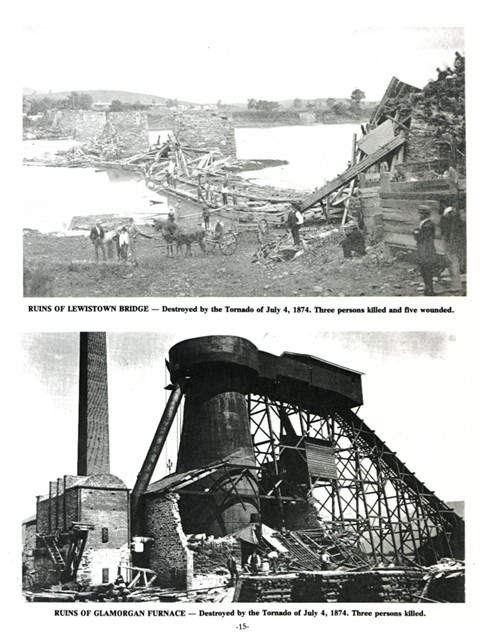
{"x": 210, "y": 555}
{"x": 347, "y": 587}
{"x": 272, "y": 589}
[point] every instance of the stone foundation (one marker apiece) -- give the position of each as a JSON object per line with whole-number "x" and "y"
{"x": 208, "y": 130}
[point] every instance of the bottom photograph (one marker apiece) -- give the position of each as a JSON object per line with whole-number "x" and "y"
{"x": 165, "y": 468}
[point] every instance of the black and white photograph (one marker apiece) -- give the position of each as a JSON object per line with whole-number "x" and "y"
{"x": 218, "y": 469}
{"x": 240, "y": 318}
{"x": 266, "y": 156}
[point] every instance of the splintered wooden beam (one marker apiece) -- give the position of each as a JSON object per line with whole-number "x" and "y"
{"x": 351, "y": 172}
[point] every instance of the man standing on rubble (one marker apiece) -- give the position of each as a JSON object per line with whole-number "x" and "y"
{"x": 426, "y": 256}
{"x": 294, "y": 221}
{"x": 97, "y": 235}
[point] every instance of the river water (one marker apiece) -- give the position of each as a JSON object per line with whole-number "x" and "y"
{"x": 52, "y": 196}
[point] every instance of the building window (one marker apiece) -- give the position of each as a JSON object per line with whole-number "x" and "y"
{"x": 105, "y": 578}
{"x": 104, "y": 534}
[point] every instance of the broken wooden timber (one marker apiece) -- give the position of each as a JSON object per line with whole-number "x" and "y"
{"x": 350, "y": 173}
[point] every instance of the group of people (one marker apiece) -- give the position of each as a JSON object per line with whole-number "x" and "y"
{"x": 122, "y": 240}
{"x": 452, "y": 228}
{"x": 254, "y": 564}
{"x": 208, "y": 194}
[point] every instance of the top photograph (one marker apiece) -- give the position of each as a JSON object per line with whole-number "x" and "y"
{"x": 226, "y": 167}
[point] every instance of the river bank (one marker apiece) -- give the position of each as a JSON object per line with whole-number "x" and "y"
{"x": 64, "y": 266}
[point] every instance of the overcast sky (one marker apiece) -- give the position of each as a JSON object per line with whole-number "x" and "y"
{"x": 415, "y": 385}
{"x": 208, "y": 51}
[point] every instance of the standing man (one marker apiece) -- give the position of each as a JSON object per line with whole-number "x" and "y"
{"x": 452, "y": 228}
{"x": 97, "y": 235}
{"x": 169, "y": 231}
{"x": 133, "y": 234}
{"x": 294, "y": 221}
{"x": 206, "y": 217}
{"x": 232, "y": 568}
{"x": 425, "y": 236}
{"x": 225, "y": 193}
{"x": 234, "y": 195}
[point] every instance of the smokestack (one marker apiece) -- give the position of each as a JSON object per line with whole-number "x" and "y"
{"x": 93, "y": 440}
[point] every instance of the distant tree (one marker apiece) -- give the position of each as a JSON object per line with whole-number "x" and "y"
{"x": 41, "y": 105}
{"x": 252, "y": 104}
{"x": 310, "y": 105}
{"x": 170, "y": 103}
{"x": 330, "y": 102}
{"x": 266, "y": 105}
{"x": 356, "y": 99}
{"x": 339, "y": 109}
{"x": 79, "y": 101}
{"x": 297, "y": 103}
{"x": 117, "y": 106}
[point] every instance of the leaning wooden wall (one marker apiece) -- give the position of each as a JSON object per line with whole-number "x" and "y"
{"x": 369, "y": 192}
{"x": 400, "y": 201}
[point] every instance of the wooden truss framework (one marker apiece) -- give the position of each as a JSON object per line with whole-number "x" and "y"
{"x": 395, "y": 516}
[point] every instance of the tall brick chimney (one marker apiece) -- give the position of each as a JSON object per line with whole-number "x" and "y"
{"x": 93, "y": 442}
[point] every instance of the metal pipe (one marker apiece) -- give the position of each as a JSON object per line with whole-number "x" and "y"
{"x": 156, "y": 447}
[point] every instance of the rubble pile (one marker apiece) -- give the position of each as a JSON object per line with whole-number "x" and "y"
{"x": 375, "y": 586}
{"x": 445, "y": 582}
{"x": 260, "y": 589}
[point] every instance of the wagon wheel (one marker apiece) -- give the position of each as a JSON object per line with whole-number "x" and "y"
{"x": 262, "y": 230}
{"x": 228, "y": 243}
{"x": 208, "y": 243}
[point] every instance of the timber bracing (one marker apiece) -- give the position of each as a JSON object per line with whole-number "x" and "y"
{"x": 395, "y": 516}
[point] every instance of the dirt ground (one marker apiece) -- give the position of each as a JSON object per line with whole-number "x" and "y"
{"x": 64, "y": 266}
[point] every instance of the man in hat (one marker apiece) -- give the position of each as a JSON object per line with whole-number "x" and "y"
{"x": 206, "y": 217}
{"x": 453, "y": 233}
{"x": 426, "y": 256}
{"x": 294, "y": 221}
{"x": 169, "y": 231}
{"x": 97, "y": 235}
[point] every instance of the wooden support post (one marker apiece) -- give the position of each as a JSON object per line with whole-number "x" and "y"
{"x": 354, "y": 149}
{"x": 327, "y": 208}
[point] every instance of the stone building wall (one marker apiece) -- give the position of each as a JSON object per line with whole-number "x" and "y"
{"x": 169, "y": 555}
{"x": 422, "y": 143}
{"x": 81, "y": 125}
{"x": 131, "y": 129}
{"x": 29, "y": 541}
{"x": 106, "y": 510}
{"x": 209, "y": 130}
{"x": 102, "y": 565}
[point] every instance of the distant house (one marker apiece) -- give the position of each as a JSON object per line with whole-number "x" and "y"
{"x": 101, "y": 106}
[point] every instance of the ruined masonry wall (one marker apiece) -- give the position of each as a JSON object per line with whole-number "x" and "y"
{"x": 209, "y": 130}
{"x": 131, "y": 126}
{"x": 131, "y": 129}
{"x": 422, "y": 144}
{"x": 95, "y": 561}
{"x": 169, "y": 555}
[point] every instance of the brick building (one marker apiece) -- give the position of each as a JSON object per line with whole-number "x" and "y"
{"x": 98, "y": 504}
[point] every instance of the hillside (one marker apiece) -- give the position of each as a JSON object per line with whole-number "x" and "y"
{"x": 105, "y": 96}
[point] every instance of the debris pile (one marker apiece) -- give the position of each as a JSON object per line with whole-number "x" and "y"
{"x": 259, "y": 589}
{"x": 445, "y": 582}
{"x": 374, "y": 586}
